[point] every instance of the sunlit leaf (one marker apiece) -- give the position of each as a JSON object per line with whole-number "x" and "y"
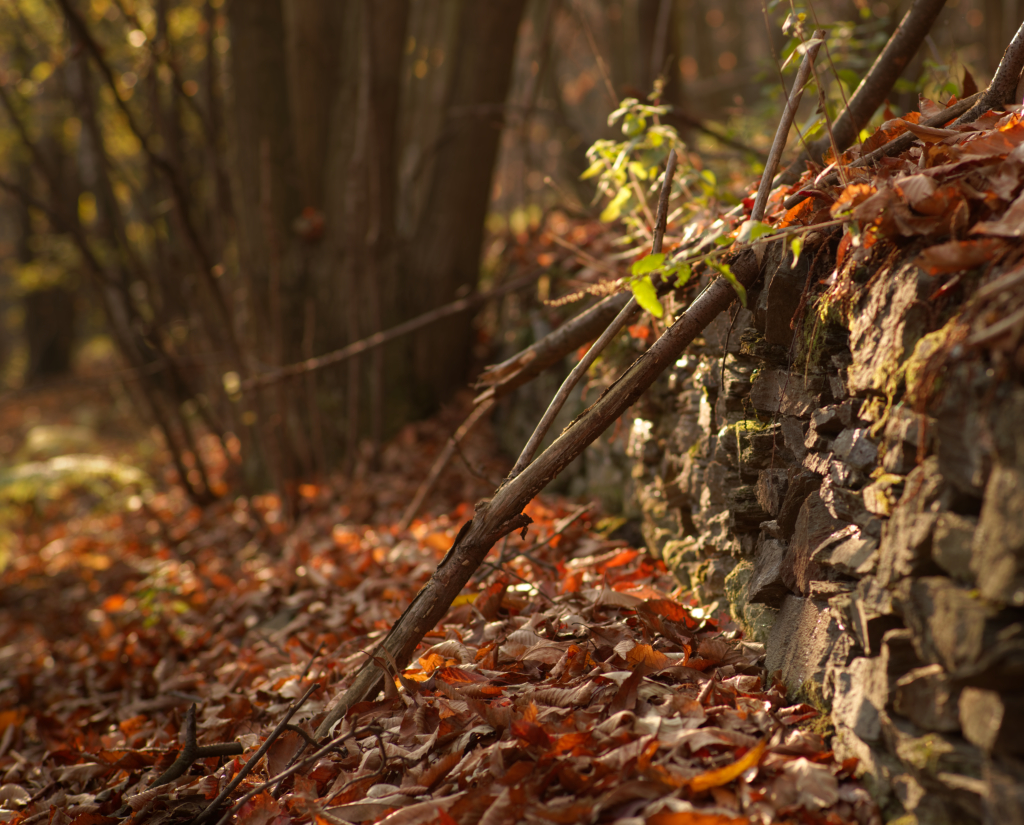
{"x": 725, "y": 775}
{"x": 593, "y": 170}
{"x": 614, "y": 209}
{"x": 647, "y": 296}
{"x": 795, "y": 246}
{"x": 648, "y": 264}
{"x": 727, "y": 273}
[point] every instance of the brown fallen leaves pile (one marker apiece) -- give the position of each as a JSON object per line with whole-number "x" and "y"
{"x": 956, "y": 194}
{"x": 573, "y": 682}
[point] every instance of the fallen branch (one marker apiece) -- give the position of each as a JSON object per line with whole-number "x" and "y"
{"x": 1004, "y": 82}
{"x": 503, "y": 514}
{"x": 782, "y": 133}
{"x": 894, "y": 147}
{"x": 255, "y": 758}
{"x": 874, "y": 88}
{"x": 193, "y": 751}
{"x": 524, "y": 366}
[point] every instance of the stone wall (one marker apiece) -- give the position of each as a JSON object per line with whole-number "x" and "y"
{"x": 851, "y": 486}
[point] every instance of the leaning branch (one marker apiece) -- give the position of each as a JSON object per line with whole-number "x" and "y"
{"x": 875, "y": 87}
{"x": 1004, "y": 82}
{"x": 503, "y": 514}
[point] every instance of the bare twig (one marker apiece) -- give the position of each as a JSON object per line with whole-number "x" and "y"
{"x": 442, "y": 460}
{"x": 256, "y": 757}
{"x": 781, "y": 134}
{"x": 875, "y": 86}
{"x": 623, "y": 318}
{"x": 193, "y": 751}
{"x": 381, "y": 338}
{"x": 894, "y": 147}
{"x": 298, "y": 766}
{"x": 602, "y": 67}
{"x": 1004, "y": 82}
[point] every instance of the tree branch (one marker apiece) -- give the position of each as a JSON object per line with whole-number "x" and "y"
{"x": 503, "y": 513}
{"x": 875, "y": 87}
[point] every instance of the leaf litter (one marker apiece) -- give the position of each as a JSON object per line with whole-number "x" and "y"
{"x": 573, "y": 681}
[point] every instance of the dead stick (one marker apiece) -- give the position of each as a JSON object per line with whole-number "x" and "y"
{"x": 1004, "y": 81}
{"x": 503, "y": 513}
{"x": 614, "y": 328}
{"x": 874, "y": 88}
{"x": 381, "y": 338}
{"x": 193, "y": 751}
{"x": 298, "y": 766}
{"x": 895, "y": 146}
{"x": 442, "y": 460}
{"x": 522, "y": 367}
{"x": 782, "y": 133}
{"x": 256, "y": 757}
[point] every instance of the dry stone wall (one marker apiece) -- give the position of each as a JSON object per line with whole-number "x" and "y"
{"x": 851, "y": 485}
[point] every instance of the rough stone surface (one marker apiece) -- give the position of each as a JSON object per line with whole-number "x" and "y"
{"x": 852, "y": 485}
{"x": 777, "y": 391}
{"x": 949, "y": 623}
{"x": 992, "y": 721}
{"x": 997, "y": 555}
{"x": 861, "y": 691}
{"x": 766, "y": 585}
{"x": 884, "y": 328}
{"x": 927, "y": 698}
{"x": 814, "y": 525}
{"x": 799, "y": 645}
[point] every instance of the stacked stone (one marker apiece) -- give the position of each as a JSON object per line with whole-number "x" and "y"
{"x": 876, "y": 551}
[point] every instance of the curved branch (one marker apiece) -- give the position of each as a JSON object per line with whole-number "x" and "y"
{"x": 875, "y": 87}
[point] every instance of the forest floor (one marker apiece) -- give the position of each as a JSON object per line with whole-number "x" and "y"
{"x": 573, "y": 681}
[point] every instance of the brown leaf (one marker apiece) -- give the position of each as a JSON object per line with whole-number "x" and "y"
{"x": 694, "y": 818}
{"x": 646, "y": 657}
{"x": 956, "y": 256}
{"x": 1010, "y": 225}
{"x": 929, "y": 134}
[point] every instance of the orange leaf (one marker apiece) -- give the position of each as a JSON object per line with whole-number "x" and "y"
{"x": 723, "y": 776}
{"x": 648, "y": 657}
{"x": 14, "y": 716}
{"x": 457, "y": 676}
{"x": 799, "y": 214}
{"x": 625, "y": 557}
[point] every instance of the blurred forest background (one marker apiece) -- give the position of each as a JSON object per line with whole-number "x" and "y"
{"x": 194, "y": 193}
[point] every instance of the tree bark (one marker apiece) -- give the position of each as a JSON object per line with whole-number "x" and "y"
{"x": 443, "y": 257}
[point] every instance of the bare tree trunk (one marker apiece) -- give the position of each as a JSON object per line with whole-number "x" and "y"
{"x": 444, "y": 256}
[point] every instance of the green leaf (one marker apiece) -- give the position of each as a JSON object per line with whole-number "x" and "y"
{"x": 682, "y": 273}
{"x": 723, "y": 240}
{"x": 614, "y": 208}
{"x": 795, "y": 246}
{"x": 752, "y": 230}
{"x": 638, "y": 169}
{"x": 727, "y": 273}
{"x": 593, "y": 170}
{"x": 648, "y": 264}
{"x": 647, "y": 296}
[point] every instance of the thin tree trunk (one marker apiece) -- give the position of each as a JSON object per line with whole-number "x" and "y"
{"x": 444, "y": 256}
